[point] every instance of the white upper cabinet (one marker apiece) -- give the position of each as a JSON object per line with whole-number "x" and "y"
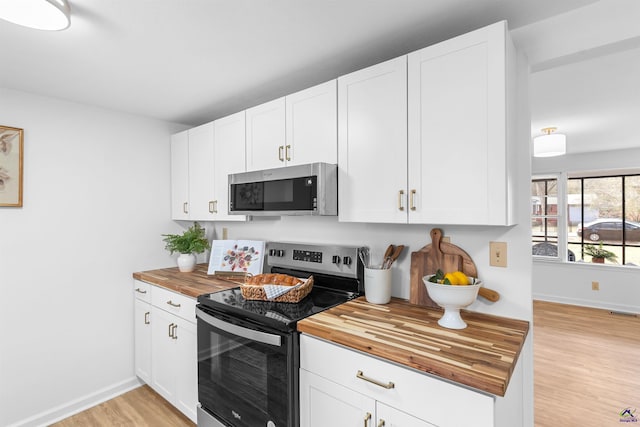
{"x": 201, "y": 172}
{"x": 180, "y": 175}
{"x": 192, "y": 175}
{"x": 229, "y": 157}
{"x": 266, "y": 135}
{"x": 372, "y": 143}
{"x": 312, "y": 125}
{"x": 424, "y": 138}
{"x": 297, "y": 129}
{"x": 458, "y": 164}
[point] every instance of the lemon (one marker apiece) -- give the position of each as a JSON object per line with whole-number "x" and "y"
{"x": 453, "y": 279}
{"x": 462, "y": 278}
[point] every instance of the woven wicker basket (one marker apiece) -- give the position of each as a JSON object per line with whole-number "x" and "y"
{"x": 256, "y": 292}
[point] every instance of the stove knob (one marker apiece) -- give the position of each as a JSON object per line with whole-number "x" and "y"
{"x": 335, "y": 259}
{"x": 272, "y": 252}
{"x": 346, "y": 260}
{"x": 280, "y": 252}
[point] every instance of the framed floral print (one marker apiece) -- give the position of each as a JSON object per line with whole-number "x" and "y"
{"x": 11, "y": 154}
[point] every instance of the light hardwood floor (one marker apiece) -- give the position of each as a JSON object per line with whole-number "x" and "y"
{"x": 585, "y": 372}
{"x": 141, "y": 407}
{"x": 586, "y": 367}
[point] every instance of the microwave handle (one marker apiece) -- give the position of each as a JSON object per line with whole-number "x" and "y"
{"x": 250, "y": 334}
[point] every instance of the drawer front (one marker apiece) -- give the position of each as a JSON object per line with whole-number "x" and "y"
{"x": 142, "y": 290}
{"x": 173, "y": 302}
{"x": 421, "y": 395}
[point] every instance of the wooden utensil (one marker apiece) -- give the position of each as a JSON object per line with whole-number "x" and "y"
{"x": 446, "y": 257}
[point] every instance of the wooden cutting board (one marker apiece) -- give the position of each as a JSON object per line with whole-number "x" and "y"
{"x": 446, "y": 257}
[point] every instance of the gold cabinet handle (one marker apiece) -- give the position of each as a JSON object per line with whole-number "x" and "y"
{"x": 170, "y": 330}
{"x": 412, "y": 200}
{"x": 280, "y": 156}
{"x": 142, "y": 291}
{"x": 381, "y": 423}
{"x": 146, "y": 318}
{"x": 367, "y": 417}
{"x": 376, "y": 382}
{"x": 287, "y": 153}
{"x": 173, "y": 332}
{"x": 172, "y": 304}
{"x": 185, "y": 208}
{"x": 400, "y": 200}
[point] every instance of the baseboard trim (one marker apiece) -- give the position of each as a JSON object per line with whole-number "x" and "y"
{"x": 66, "y": 410}
{"x": 629, "y": 309}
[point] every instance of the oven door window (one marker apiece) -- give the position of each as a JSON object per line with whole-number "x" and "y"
{"x": 280, "y": 195}
{"x": 245, "y": 374}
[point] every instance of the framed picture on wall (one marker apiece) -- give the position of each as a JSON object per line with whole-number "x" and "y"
{"x": 11, "y": 149}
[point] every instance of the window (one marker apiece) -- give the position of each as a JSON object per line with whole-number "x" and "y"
{"x": 601, "y": 212}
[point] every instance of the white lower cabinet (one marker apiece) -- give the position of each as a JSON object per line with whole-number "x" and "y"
{"x": 166, "y": 346}
{"x": 325, "y": 403}
{"x": 343, "y": 387}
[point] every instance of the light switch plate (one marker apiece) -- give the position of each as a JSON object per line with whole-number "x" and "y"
{"x": 498, "y": 254}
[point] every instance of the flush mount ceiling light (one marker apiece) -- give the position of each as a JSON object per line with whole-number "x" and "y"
{"x": 49, "y": 15}
{"x": 550, "y": 144}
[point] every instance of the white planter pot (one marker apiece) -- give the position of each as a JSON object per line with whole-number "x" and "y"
{"x": 186, "y": 262}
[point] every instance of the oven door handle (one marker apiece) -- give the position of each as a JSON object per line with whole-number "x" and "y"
{"x": 250, "y": 334}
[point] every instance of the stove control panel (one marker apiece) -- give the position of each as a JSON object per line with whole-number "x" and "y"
{"x": 308, "y": 256}
{"x": 328, "y": 259}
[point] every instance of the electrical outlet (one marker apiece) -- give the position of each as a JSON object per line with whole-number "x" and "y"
{"x": 498, "y": 254}
{"x": 595, "y": 286}
{"x": 225, "y": 233}
{"x": 446, "y": 239}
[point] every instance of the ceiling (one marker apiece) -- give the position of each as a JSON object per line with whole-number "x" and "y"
{"x": 192, "y": 61}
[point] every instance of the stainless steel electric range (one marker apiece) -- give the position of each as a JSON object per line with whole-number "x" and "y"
{"x": 248, "y": 351}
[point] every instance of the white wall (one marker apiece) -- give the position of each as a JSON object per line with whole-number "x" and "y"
{"x": 95, "y": 202}
{"x": 570, "y": 282}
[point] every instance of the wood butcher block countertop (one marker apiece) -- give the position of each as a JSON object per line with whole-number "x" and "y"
{"x": 482, "y": 356}
{"x": 193, "y": 284}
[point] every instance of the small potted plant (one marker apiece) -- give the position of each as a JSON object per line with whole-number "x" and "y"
{"x": 598, "y": 254}
{"x": 192, "y": 241}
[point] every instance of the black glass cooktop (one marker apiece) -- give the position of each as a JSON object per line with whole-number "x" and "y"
{"x": 280, "y": 315}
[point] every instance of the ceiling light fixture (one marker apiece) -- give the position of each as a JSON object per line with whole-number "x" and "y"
{"x": 550, "y": 144}
{"x": 49, "y": 15}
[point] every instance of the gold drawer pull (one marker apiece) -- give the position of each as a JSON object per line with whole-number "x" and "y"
{"x": 367, "y": 417}
{"x": 172, "y": 304}
{"x": 173, "y": 332}
{"x": 170, "y": 331}
{"x": 287, "y": 152}
{"x": 412, "y": 203}
{"x": 376, "y": 382}
{"x": 141, "y": 291}
{"x": 400, "y": 200}
{"x": 184, "y": 207}
{"x": 280, "y": 150}
{"x": 146, "y": 318}
{"x": 381, "y": 423}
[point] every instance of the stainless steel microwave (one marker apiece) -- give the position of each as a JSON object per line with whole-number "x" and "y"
{"x": 310, "y": 189}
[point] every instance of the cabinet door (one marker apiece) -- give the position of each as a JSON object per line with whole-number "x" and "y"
{"x": 312, "y": 125}
{"x": 185, "y": 368}
{"x": 390, "y": 417}
{"x": 163, "y": 350}
{"x": 325, "y": 403}
{"x": 229, "y": 157}
{"x": 180, "y": 175}
{"x": 142, "y": 319}
{"x": 372, "y": 143}
{"x": 457, "y": 141}
{"x": 201, "y": 173}
{"x": 266, "y": 135}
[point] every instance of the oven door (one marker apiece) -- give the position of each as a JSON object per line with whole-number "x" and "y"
{"x": 247, "y": 374}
